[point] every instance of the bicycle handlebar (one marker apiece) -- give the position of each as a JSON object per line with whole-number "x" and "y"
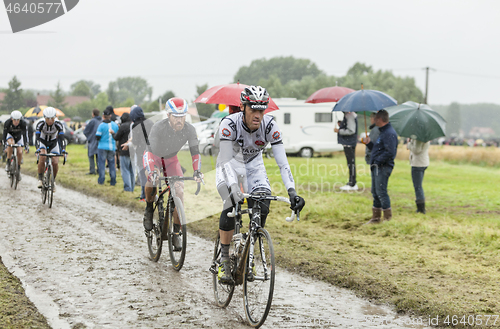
{"x": 182, "y": 178}
{"x": 51, "y": 155}
{"x": 258, "y": 197}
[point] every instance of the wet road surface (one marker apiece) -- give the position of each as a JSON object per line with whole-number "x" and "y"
{"x": 85, "y": 262}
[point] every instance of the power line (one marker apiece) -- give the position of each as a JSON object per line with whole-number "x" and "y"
{"x": 470, "y": 74}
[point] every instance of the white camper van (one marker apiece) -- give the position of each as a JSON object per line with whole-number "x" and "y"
{"x": 307, "y": 128}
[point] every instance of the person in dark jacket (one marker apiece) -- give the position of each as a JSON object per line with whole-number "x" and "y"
{"x": 347, "y": 134}
{"x": 383, "y": 153}
{"x": 127, "y": 169}
{"x": 89, "y": 132}
{"x": 138, "y": 142}
{"x": 374, "y": 132}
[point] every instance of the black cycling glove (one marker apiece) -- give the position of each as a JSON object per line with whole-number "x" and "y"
{"x": 296, "y": 202}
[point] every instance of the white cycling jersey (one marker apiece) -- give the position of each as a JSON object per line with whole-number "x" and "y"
{"x": 241, "y": 152}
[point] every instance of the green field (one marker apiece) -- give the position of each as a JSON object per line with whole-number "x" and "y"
{"x": 438, "y": 264}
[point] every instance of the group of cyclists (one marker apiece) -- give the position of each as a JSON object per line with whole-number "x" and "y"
{"x": 49, "y": 139}
{"x": 243, "y": 136}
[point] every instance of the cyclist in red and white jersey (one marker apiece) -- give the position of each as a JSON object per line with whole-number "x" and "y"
{"x": 166, "y": 139}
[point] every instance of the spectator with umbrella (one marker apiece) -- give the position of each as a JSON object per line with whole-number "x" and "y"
{"x": 420, "y": 124}
{"x": 419, "y": 161}
{"x": 384, "y": 151}
{"x": 358, "y": 101}
{"x": 347, "y": 136}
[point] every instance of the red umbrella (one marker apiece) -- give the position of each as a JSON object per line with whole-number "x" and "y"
{"x": 329, "y": 94}
{"x": 228, "y": 94}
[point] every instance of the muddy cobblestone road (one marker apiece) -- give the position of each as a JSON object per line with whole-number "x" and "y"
{"x": 84, "y": 263}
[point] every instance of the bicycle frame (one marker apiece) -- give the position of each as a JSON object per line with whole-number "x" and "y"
{"x": 14, "y": 152}
{"x": 255, "y": 224}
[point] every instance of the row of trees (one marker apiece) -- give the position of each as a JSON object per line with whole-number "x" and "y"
{"x": 123, "y": 92}
{"x": 282, "y": 76}
{"x": 299, "y": 78}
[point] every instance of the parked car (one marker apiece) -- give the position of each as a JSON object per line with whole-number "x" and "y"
{"x": 79, "y": 137}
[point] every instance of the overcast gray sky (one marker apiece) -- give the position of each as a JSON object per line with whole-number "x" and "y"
{"x": 177, "y": 45}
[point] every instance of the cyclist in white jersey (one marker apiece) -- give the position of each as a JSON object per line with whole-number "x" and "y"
{"x": 49, "y": 139}
{"x": 243, "y": 138}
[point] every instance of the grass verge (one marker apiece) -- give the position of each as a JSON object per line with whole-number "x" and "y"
{"x": 16, "y": 310}
{"x": 441, "y": 264}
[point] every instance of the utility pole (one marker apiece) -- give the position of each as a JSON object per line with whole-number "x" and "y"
{"x": 426, "y": 83}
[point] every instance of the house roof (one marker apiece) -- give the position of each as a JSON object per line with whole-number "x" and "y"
{"x": 69, "y": 100}
{"x": 2, "y": 96}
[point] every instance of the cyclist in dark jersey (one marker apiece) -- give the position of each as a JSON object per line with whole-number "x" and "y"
{"x": 15, "y": 131}
{"x": 167, "y": 138}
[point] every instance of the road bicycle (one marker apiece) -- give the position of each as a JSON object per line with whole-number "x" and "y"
{"x": 252, "y": 261}
{"x": 163, "y": 222}
{"x": 14, "y": 170}
{"x": 48, "y": 176}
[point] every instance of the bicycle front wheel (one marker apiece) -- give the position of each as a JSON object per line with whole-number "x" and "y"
{"x": 50, "y": 182}
{"x": 13, "y": 172}
{"x": 223, "y": 292}
{"x": 154, "y": 238}
{"x": 177, "y": 239}
{"x": 44, "y": 189}
{"x": 258, "y": 283}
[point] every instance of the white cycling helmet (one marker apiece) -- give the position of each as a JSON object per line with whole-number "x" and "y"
{"x": 177, "y": 106}
{"x": 49, "y": 112}
{"x": 255, "y": 96}
{"x": 16, "y": 115}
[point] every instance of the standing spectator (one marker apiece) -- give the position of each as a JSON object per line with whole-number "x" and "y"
{"x": 127, "y": 169}
{"x": 106, "y": 147}
{"x": 347, "y": 134}
{"x": 89, "y": 132}
{"x": 374, "y": 133}
{"x": 138, "y": 141}
{"x": 31, "y": 132}
{"x": 116, "y": 119}
{"x": 419, "y": 161}
{"x": 384, "y": 151}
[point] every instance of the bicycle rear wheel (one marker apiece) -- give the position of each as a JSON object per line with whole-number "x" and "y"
{"x": 13, "y": 172}
{"x": 222, "y": 292}
{"x": 177, "y": 255}
{"x": 258, "y": 283}
{"x": 50, "y": 183}
{"x": 154, "y": 238}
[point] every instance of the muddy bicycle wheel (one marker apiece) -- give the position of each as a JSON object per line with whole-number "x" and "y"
{"x": 44, "y": 189}
{"x": 258, "y": 283}
{"x": 222, "y": 292}
{"x": 50, "y": 183}
{"x": 177, "y": 239}
{"x": 13, "y": 172}
{"x": 155, "y": 241}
